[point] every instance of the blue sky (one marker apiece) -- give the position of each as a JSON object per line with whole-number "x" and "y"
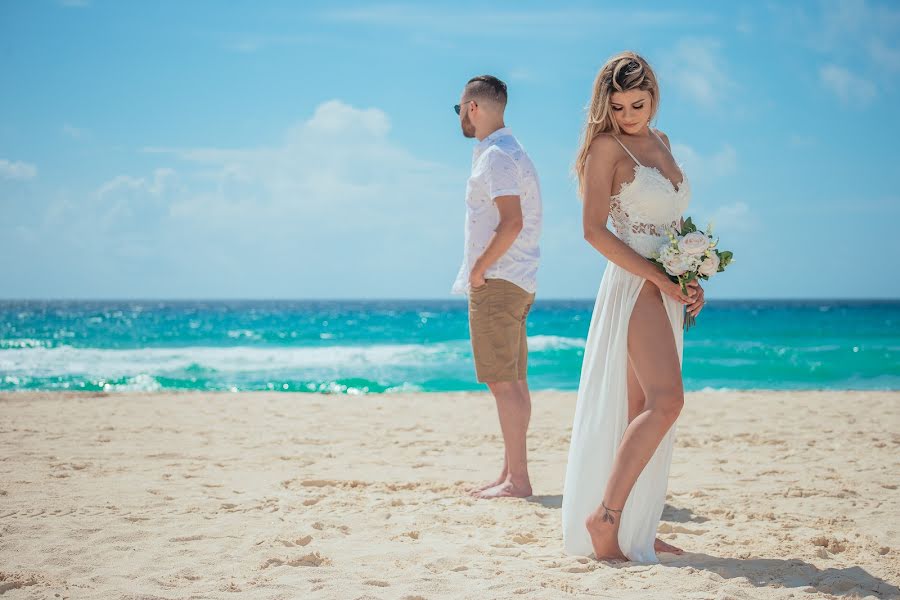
{"x": 309, "y": 150}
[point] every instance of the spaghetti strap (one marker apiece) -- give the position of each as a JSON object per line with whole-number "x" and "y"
{"x": 628, "y": 151}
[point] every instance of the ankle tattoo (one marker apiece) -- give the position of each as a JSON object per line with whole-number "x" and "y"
{"x": 608, "y": 518}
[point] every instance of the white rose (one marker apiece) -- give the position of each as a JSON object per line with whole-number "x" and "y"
{"x": 677, "y": 264}
{"x": 710, "y": 265}
{"x": 694, "y": 243}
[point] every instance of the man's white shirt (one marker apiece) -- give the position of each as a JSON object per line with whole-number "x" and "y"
{"x": 500, "y": 167}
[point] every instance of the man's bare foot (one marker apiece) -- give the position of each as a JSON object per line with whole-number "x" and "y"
{"x": 604, "y": 537}
{"x": 506, "y": 489}
{"x": 661, "y": 546}
{"x": 474, "y": 491}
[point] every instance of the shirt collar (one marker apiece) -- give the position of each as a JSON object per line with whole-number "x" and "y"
{"x": 483, "y": 144}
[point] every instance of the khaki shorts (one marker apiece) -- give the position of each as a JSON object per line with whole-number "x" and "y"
{"x": 497, "y": 314}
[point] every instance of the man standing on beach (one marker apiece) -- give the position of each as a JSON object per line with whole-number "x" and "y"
{"x": 499, "y": 270}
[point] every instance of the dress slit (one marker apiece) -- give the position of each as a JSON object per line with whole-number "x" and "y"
{"x": 601, "y": 416}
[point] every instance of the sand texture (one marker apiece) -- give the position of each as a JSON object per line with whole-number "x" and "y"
{"x": 773, "y": 495}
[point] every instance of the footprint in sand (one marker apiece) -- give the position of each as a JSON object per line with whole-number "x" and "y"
{"x": 303, "y": 541}
{"x": 524, "y": 538}
{"x": 187, "y": 538}
{"x": 833, "y": 545}
{"x": 585, "y": 565}
{"x": 137, "y": 519}
{"x": 314, "y": 559}
{"x": 319, "y": 525}
{"x": 558, "y": 585}
{"x": 321, "y": 483}
{"x": 443, "y": 565}
{"x": 669, "y": 528}
{"x": 12, "y": 581}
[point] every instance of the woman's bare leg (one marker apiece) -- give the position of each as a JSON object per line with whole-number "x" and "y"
{"x": 636, "y": 401}
{"x": 654, "y": 360}
{"x": 636, "y": 404}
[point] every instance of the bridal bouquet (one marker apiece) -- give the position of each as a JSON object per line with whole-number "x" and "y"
{"x": 691, "y": 254}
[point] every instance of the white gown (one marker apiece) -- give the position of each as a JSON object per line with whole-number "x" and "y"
{"x": 640, "y": 213}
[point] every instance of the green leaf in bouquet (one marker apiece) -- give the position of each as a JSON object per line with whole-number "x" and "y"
{"x": 725, "y": 258}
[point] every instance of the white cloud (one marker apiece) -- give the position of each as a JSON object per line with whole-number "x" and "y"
{"x": 854, "y": 32}
{"x": 884, "y": 55}
{"x": 154, "y": 186}
{"x": 522, "y": 74}
{"x": 249, "y": 42}
{"x": 125, "y": 212}
{"x": 698, "y": 166}
{"x": 334, "y": 200}
{"x": 745, "y": 22}
{"x": 696, "y": 68}
{"x": 734, "y": 218}
{"x": 801, "y": 140}
{"x": 848, "y": 87}
{"x": 17, "y": 170}
{"x": 74, "y": 132}
{"x": 513, "y": 22}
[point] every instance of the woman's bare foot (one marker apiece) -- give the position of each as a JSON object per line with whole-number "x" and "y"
{"x": 661, "y": 546}
{"x": 508, "y": 488}
{"x": 604, "y": 536}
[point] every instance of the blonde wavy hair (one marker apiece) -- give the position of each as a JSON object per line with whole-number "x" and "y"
{"x": 621, "y": 73}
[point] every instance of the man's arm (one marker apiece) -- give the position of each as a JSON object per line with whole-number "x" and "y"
{"x": 511, "y": 223}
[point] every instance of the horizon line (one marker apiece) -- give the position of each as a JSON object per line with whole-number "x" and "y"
{"x": 424, "y": 299}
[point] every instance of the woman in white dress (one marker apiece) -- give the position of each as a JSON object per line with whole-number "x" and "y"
{"x": 630, "y": 391}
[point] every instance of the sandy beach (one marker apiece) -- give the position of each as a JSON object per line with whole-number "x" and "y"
{"x": 192, "y": 495}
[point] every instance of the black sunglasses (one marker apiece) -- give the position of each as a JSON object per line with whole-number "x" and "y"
{"x": 458, "y": 107}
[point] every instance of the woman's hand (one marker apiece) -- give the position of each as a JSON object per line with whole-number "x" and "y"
{"x": 673, "y": 290}
{"x": 696, "y": 305}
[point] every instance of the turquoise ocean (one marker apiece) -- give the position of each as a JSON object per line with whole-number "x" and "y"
{"x": 349, "y": 347}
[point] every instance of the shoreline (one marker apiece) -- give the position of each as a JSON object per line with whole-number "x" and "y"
{"x": 37, "y": 394}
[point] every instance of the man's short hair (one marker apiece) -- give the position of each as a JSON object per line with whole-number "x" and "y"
{"x": 487, "y": 87}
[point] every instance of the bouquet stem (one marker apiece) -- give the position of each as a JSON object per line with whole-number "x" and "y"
{"x": 689, "y": 319}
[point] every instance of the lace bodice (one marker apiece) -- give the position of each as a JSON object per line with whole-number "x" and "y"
{"x": 646, "y": 207}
